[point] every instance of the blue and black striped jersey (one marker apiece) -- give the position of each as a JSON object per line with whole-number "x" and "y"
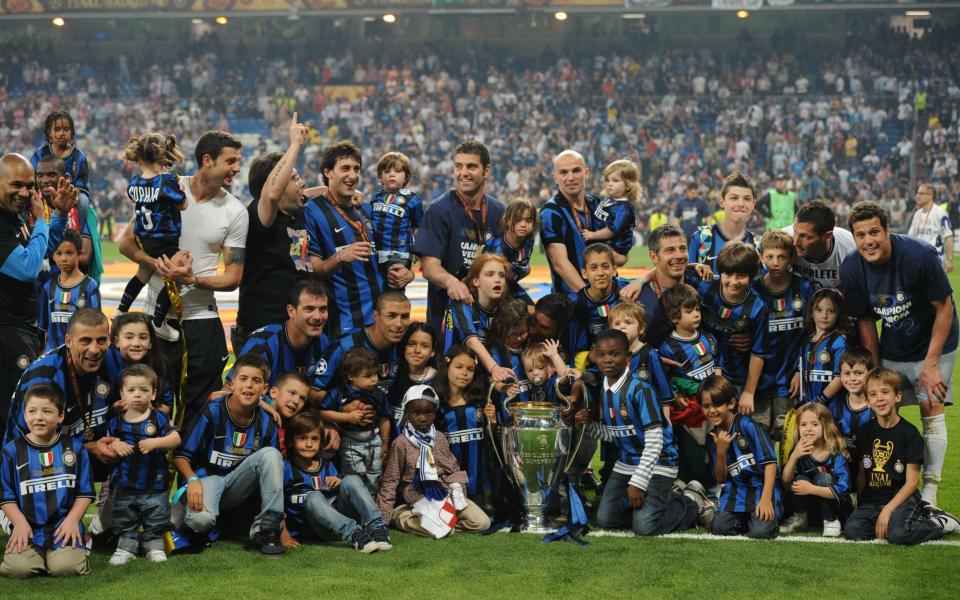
{"x": 619, "y": 217}
{"x": 345, "y": 394}
{"x": 590, "y": 316}
{"x": 88, "y": 410}
{"x": 696, "y": 360}
{"x": 519, "y": 259}
{"x": 464, "y": 427}
{"x": 158, "y": 201}
{"x": 272, "y": 344}
{"x": 45, "y": 482}
{"x": 849, "y": 420}
{"x": 77, "y": 168}
{"x": 141, "y": 472}
{"x": 645, "y": 364}
{"x": 821, "y": 363}
{"x": 723, "y": 319}
{"x": 746, "y": 457}
{"x": 395, "y": 219}
{"x": 58, "y": 303}
{"x": 464, "y": 321}
{"x": 326, "y": 374}
{"x": 298, "y": 483}
{"x": 561, "y": 224}
{"x": 164, "y": 387}
{"x": 216, "y": 444}
{"x": 785, "y": 312}
{"x": 629, "y": 412}
{"x": 707, "y": 242}
{"x": 834, "y": 465}
{"x": 356, "y": 284}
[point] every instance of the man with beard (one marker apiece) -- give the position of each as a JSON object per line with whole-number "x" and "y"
{"x": 821, "y": 245}
{"x": 21, "y": 257}
{"x": 214, "y": 223}
{"x": 277, "y": 240}
{"x": 563, "y": 220}
{"x": 340, "y": 244}
{"x": 454, "y": 230}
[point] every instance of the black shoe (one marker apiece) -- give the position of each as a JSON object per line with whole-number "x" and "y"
{"x": 589, "y": 482}
{"x": 363, "y": 543}
{"x": 268, "y": 537}
{"x": 381, "y": 538}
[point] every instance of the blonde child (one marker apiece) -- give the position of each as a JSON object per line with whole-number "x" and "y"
{"x": 621, "y": 185}
{"x": 816, "y": 474}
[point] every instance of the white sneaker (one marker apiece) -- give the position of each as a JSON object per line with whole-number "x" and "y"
{"x": 949, "y": 522}
{"x": 157, "y": 556}
{"x": 795, "y": 522}
{"x": 707, "y": 509}
{"x": 121, "y": 557}
{"x": 832, "y": 528}
{"x": 167, "y": 332}
{"x": 95, "y": 527}
{"x": 5, "y": 525}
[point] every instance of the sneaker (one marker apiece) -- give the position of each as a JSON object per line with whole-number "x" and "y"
{"x": 268, "y": 537}
{"x": 363, "y": 543}
{"x": 707, "y": 510}
{"x": 949, "y": 522}
{"x": 795, "y": 522}
{"x": 832, "y": 528}
{"x": 157, "y": 556}
{"x": 117, "y": 313}
{"x": 381, "y": 537}
{"x": 589, "y": 482}
{"x": 167, "y": 332}
{"x": 678, "y": 486}
{"x": 121, "y": 557}
{"x": 5, "y": 525}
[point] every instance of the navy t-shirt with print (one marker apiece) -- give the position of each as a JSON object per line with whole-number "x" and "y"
{"x": 900, "y": 293}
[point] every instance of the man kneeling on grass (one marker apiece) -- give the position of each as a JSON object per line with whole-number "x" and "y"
{"x": 230, "y": 453}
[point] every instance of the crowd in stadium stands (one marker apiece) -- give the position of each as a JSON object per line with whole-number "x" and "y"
{"x": 839, "y": 123}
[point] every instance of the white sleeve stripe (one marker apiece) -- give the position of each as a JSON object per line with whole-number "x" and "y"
{"x": 652, "y": 445}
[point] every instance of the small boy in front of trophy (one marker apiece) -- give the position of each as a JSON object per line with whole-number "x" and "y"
{"x": 890, "y": 450}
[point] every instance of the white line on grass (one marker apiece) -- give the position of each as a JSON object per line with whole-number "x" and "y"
{"x": 740, "y": 538}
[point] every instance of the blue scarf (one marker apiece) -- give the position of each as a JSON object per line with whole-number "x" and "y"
{"x": 426, "y": 480}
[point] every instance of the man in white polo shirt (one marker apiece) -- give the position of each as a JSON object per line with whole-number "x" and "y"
{"x": 214, "y": 223}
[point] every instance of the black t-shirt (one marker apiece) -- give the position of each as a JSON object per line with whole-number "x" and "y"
{"x": 884, "y": 455}
{"x": 276, "y": 260}
{"x": 18, "y": 298}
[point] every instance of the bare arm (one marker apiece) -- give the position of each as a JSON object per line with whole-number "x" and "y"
{"x": 868, "y": 338}
{"x": 86, "y": 252}
{"x": 434, "y": 272}
{"x": 557, "y": 255}
{"x": 280, "y": 175}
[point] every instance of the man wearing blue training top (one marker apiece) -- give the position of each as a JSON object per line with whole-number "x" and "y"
{"x": 900, "y": 280}
{"x": 454, "y": 230}
{"x": 21, "y": 257}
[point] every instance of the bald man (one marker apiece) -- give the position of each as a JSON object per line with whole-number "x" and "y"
{"x": 21, "y": 256}
{"x": 564, "y": 217}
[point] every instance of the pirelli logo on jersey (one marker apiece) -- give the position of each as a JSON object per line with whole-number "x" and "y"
{"x": 786, "y": 324}
{"x": 465, "y": 435}
{"x": 97, "y": 417}
{"x": 820, "y": 376}
{"x": 299, "y": 499}
{"x": 701, "y": 373}
{"x": 618, "y": 431}
{"x": 225, "y": 459}
{"x": 744, "y": 461}
{"x": 397, "y": 211}
{"x": 41, "y": 485}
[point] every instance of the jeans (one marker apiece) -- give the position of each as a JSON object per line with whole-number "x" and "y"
{"x": 663, "y": 511}
{"x": 263, "y": 469}
{"x": 748, "y": 524}
{"x": 340, "y": 514}
{"x": 905, "y": 527}
{"x": 133, "y": 509}
{"x": 828, "y": 508}
{"x": 360, "y": 456}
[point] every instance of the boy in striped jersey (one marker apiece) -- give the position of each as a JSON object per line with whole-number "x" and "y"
{"x": 47, "y": 485}
{"x": 139, "y": 481}
{"x": 744, "y": 462}
{"x": 397, "y": 214}
{"x": 640, "y": 489}
{"x": 229, "y": 453}
{"x": 786, "y": 296}
{"x": 592, "y": 304}
{"x": 850, "y": 408}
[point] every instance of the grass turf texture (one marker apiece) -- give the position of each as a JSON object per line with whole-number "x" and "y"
{"x": 521, "y": 566}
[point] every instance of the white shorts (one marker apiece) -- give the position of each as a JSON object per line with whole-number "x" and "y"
{"x": 911, "y": 372}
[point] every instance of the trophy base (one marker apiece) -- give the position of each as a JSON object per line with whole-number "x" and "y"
{"x": 544, "y": 529}
{"x": 536, "y": 522}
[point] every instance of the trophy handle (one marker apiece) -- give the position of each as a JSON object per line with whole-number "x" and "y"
{"x": 563, "y": 397}
{"x": 575, "y": 449}
{"x": 489, "y": 425}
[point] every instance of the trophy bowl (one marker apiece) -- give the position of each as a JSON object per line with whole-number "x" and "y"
{"x": 535, "y": 448}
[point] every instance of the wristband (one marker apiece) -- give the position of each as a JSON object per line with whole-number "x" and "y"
{"x": 179, "y": 493}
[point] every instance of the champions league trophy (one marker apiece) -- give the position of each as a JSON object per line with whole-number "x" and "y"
{"x": 535, "y": 448}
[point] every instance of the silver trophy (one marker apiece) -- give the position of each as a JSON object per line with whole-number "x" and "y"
{"x": 535, "y": 449}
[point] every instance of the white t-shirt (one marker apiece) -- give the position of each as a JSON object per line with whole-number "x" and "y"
{"x": 207, "y": 228}
{"x": 932, "y": 227}
{"x": 826, "y": 273}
